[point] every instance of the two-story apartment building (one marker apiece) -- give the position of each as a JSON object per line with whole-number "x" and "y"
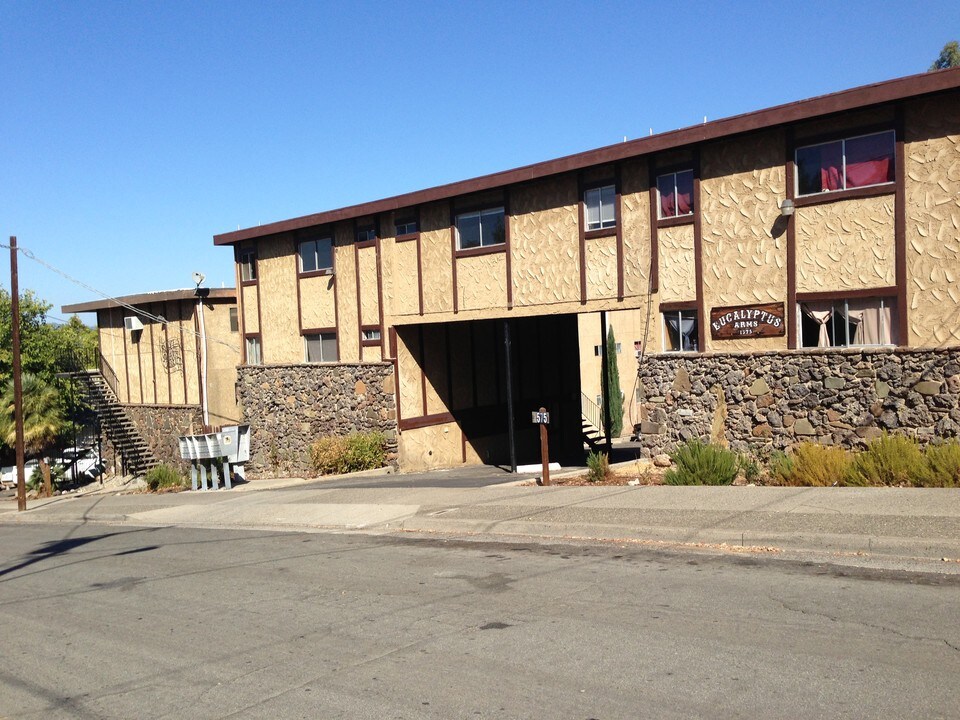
{"x": 824, "y": 233}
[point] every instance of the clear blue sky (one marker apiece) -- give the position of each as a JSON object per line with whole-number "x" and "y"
{"x": 132, "y": 132}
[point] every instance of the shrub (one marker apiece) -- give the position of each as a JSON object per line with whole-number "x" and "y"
{"x": 700, "y": 464}
{"x": 889, "y": 460}
{"x": 813, "y": 465}
{"x": 749, "y": 467}
{"x": 164, "y": 478}
{"x": 598, "y": 466}
{"x": 343, "y": 454}
{"x": 779, "y": 467}
{"x": 943, "y": 464}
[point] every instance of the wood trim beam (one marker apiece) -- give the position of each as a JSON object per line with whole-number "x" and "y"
{"x": 900, "y": 228}
{"x": 698, "y": 253}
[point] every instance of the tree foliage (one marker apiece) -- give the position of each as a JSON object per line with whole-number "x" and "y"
{"x": 614, "y": 397}
{"x": 949, "y": 57}
{"x": 42, "y": 415}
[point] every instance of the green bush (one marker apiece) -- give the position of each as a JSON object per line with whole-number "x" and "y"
{"x": 700, "y": 464}
{"x": 889, "y": 460}
{"x": 343, "y": 454}
{"x": 813, "y": 465}
{"x": 598, "y": 466}
{"x": 779, "y": 467}
{"x": 749, "y": 467}
{"x": 943, "y": 464}
{"x": 163, "y": 478}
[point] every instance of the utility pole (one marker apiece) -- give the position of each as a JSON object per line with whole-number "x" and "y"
{"x": 17, "y": 384}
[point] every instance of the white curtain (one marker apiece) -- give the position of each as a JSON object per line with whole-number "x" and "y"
{"x": 872, "y": 322}
{"x": 684, "y": 330}
{"x": 820, "y": 313}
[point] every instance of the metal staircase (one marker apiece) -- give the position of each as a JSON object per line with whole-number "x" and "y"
{"x": 591, "y": 422}
{"x": 135, "y": 455}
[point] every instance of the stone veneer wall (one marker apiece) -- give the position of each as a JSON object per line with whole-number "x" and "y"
{"x": 162, "y": 425}
{"x": 289, "y": 406}
{"x": 778, "y": 399}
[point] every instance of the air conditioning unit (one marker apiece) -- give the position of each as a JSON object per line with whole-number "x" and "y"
{"x": 132, "y": 323}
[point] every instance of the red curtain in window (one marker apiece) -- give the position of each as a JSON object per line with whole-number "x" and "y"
{"x": 870, "y": 160}
{"x": 831, "y": 166}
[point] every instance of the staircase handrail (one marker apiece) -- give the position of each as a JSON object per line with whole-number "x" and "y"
{"x": 591, "y": 411}
{"x": 108, "y": 373}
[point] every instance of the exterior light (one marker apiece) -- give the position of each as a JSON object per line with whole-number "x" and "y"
{"x": 786, "y": 207}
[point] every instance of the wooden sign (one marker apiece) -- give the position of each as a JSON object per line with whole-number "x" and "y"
{"x": 747, "y": 321}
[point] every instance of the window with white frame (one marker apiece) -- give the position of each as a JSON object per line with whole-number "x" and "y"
{"x": 854, "y": 162}
{"x": 846, "y": 322}
{"x": 320, "y": 347}
{"x": 372, "y": 335}
{"x": 248, "y": 265}
{"x": 316, "y": 254}
{"x": 680, "y": 331}
{"x": 482, "y": 228}
{"x": 675, "y": 191}
{"x": 254, "y": 356}
{"x": 600, "y": 207}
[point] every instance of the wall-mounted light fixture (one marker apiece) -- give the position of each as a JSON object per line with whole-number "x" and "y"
{"x": 786, "y": 207}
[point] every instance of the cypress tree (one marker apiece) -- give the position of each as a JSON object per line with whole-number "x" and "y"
{"x": 614, "y": 398}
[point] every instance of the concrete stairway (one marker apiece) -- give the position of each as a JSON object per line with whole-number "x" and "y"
{"x": 136, "y": 455}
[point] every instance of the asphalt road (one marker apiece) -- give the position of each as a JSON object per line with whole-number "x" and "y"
{"x": 100, "y": 621}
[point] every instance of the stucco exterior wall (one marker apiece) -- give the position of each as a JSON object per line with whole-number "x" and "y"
{"x": 932, "y": 169}
{"x": 846, "y": 245}
{"x": 431, "y": 447}
{"x": 369, "y": 301}
{"x": 400, "y": 278}
{"x": 409, "y": 364}
{"x": 678, "y": 273}
{"x": 482, "y": 282}
{"x": 318, "y": 301}
{"x": 601, "y": 256}
{"x": 348, "y": 328}
{"x": 437, "y": 263}
{"x": 251, "y": 318}
{"x": 277, "y": 277}
{"x": 635, "y": 207}
{"x": 223, "y": 357}
{"x": 544, "y": 235}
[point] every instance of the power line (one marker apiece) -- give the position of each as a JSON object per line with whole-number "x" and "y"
{"x": 106, "y": 296}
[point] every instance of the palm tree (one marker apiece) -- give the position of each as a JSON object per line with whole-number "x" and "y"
{"x": 42, "y": 415}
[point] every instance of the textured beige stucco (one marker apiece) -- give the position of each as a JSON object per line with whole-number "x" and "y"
{"x": 932, "y": 165}
{"x": 845, "y": 245}
{"x": 348, "y": 330}
{"x": 435, "y": 249}
{"x": 601, "y": 257}
{"x": 317, "y": 302}
{"x": 251, "y": 319}
{"x": 431, "y": 447}
{"x": 743, "y": 239}
{"x": 369, "y": 302}
{"x": 110, "y": 323}
{"x": 635, "y": 217}
{"x": 482, "y": 281}
{"x": 678, "y": 276}
{"x": 544, "y": 237}
{"x": 223, "y": 356}
{"x": 400, "y": 278}
{"x": 435, "y": 357}
{"x": 277, "y": 278}
{"x": 409, "y": 382}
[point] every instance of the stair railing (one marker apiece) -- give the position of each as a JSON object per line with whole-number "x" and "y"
{"x": 591, "y": 411}
{"x": 108, "y": 373}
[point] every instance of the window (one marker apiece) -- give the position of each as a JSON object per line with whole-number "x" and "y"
{"x": 366, "y": 234}
{"x": 371, "y": 335}
{"x": 680, "y": 331}
{"x": 843, "y": 164}
{"x": 254, "y": 356}
{"x": 321, "y": 347}
{"x": 481, "y": 229}
{"x": 248, "y": 265}
{"x": 600, "y": 207}
{"x": 234, "y": 320}
{"x": 406, "y": 227}
{"x": 316, "y": 255}
{"x": 676, "y": 194}
{"x": 840, "y": 323}
{"x": 598, "y": 350}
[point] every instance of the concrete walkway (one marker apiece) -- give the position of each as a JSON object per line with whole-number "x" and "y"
{"x": 864, "y": 524}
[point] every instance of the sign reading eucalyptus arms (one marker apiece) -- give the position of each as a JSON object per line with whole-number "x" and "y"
{"x": 747, "y": 321}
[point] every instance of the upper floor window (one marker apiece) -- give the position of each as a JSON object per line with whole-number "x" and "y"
{"x": 366, "y": 234}
{"x": 248, "y": 265}
{"x": 321, "y": 347}
{"x": 600, "y": 207}
{"x": 481, "y": 229}
{"x": 844, "y": 164}
{"x": 676, "y": 194}
{"x": 406, "y": 226}
{"x": 680, "y": 331}
{"x": 316, "y": 255}
{"x": 844, "y": 322}
{"x": 234, "y": 320}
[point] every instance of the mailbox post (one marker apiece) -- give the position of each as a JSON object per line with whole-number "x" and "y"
{"x": 542, "y": 418}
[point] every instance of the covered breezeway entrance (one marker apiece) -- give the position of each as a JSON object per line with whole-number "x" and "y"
{"x": 466, "y": 391}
